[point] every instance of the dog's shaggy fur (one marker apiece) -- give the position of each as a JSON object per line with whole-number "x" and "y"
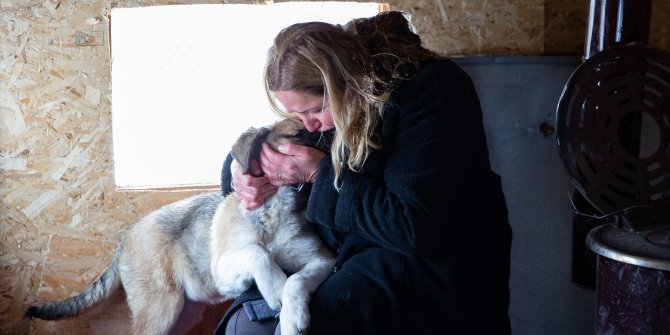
{"x": 208, "y": 248}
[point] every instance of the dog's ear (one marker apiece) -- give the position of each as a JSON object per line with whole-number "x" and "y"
{"x": 248, "y": 146}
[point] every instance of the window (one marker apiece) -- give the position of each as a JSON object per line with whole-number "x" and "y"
{"x": 187, "y": 80}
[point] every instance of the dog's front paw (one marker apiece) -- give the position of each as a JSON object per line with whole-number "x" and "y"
{"x": 294, "y": 319}
{"x": 272, "y": 288}
{"x": 274, "y": 301}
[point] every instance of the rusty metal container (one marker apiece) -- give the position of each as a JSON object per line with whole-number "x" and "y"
{"x": 633, "y": 281}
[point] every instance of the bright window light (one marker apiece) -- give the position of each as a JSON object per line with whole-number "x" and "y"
{"x": 187, "y": 80}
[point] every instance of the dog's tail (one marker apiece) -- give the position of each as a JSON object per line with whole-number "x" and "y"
{"x": 99, "y": 290}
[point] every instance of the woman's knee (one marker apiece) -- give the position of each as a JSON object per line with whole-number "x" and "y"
{"x": 350, "y": 303}
{"x": 240, "y": 324}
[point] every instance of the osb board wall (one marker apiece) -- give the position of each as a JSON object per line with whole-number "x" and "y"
{"x": 565, "y": 26}
{"x": 60, "y": 213}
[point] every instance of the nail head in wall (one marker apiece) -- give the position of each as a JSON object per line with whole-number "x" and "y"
{"x": 546, "y": 129}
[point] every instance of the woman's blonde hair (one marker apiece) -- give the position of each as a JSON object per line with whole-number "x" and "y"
{"x": 355, "y": 66}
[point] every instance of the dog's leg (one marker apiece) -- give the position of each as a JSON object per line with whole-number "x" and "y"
{"x": 190, "y": 316}
{"x": 155, "y": 300}
{"x": 294, "y": 317}
{"x": 234, "y": 270}
{"x": 155, "y": 312}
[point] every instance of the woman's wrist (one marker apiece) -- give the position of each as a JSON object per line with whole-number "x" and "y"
{"x": 312, "y": 176}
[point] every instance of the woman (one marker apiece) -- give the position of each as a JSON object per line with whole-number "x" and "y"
{"x": 406, "y": 198}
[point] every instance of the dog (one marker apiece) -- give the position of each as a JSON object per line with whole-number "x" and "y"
{"x": 169, "y": 274}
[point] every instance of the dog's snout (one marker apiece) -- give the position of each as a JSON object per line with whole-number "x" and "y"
{"x": 312, "y": 139}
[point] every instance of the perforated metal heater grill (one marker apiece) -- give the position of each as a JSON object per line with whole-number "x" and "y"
{"x": 613, "y": 133}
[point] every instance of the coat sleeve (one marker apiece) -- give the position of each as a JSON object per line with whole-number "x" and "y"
{"x": 406, "y": 196}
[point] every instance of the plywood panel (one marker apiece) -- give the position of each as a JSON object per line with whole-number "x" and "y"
{"x": 478, "y": 27}
{"x": 659, "y": 30}
{"x": 566, "y": 23}
{"x": 565, "y": 26}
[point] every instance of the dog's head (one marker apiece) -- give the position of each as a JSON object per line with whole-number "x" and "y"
{"x": 249, "y": 145}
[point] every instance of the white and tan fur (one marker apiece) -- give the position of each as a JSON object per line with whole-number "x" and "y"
{"x": 207, "y": 249}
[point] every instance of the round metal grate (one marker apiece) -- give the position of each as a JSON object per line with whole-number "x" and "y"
{"x": 613, "y": 128}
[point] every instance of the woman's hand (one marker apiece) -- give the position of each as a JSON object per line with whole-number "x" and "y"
{"x": 252, "y": 190}
{"x": 292, "y": 164}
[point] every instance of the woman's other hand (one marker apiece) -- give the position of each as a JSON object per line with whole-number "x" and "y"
{"x": 252, "y": 190}
{"x": 292, "y": 164}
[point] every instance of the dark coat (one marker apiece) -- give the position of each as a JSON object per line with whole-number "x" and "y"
{"x": 421, "y": 233}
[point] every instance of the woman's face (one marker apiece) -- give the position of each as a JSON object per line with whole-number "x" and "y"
{"x": 309, "y": 108}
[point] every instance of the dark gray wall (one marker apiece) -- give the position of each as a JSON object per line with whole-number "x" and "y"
{"x": 518, "y": 95}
